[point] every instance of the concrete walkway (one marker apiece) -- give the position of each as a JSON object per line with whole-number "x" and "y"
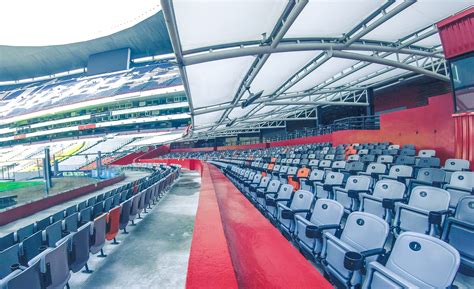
{"x": 156, "y": 251}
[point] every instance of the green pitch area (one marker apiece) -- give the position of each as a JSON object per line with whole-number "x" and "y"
{"x": 10, "y": 186}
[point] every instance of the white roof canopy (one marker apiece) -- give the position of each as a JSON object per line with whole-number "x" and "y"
{"x": 300, "y": 53}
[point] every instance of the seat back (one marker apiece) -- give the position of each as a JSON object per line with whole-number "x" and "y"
{"x": 389, "y": 189}
{"x": 405, "y": 160}
{"x": 429, "y": 198}
{"x": 353, "y": 158}
{"x": 53, "y": 234}
{"x": 355, "y": 167}
{"x": 302, "y": 200}
{"x": 427, "y": 162}
{"x": 456, "y": 165}
{"x": 55, "y": 263}
{"x": 400, "y": 171}
{"x": 113, "y": 223}
{"x": 338, "y": 165}
{"x": 358, "y": 183}
{"x": 28, "y": 278}
{"x": 426, "y": 153}
{"x": 376, "y": 168}
{"x": 316, "y": 175}
{"x": 80, "y": 242}
{"x": 9, "y": 257}
{"x": 125, "y": 213}
{"x": 285, "y": 191}
{"x": 385, "y": 159}
{"x": 264, "y": 182}
{"x": 292, "y": 171}
{"x": 70, "y": 222}
{"x": 324, "y": 164}
{"x": 462, "y": 180}
{"x": 364, "y": 231}
{"x": 273, "y": 186}
{"x": 99, "y": 231}
{"x": 431, "y": 175}
{"x": 30, "y": 247}
{"x": 334, "y": 178}
{"x": 327, "y": 212}
{"x": 423, "y": 260}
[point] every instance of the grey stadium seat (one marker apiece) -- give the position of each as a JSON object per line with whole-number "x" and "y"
{"x": 79, "y": 248}
{"x": 459, "y": 231}
{"x": 28, "y": 277}
{"x": 460, "y": 185}
{"x": 324, "y": 189}
{"x": 326, "y": 217}
{"x": 349, "y": 195}
{"x": 271, "y": 189}
{"x": 399, "y": 172}
{"x": 364, "y": 235}
{"x": 424, "y": 212}
{"x": 416, "y": 261}
{"x": 379, "y": 202}
{"x": 283, "y": 196}
{"x": 299, "y": 205}
{"x": 262, "y": 185}
{"x": 98, "y": 229}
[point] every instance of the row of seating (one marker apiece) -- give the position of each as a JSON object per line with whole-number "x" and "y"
{"x": 370, "y": 219}
{"x": 43, "y": 254}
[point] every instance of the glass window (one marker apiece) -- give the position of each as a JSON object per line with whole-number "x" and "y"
{"x": 462, "y": 73}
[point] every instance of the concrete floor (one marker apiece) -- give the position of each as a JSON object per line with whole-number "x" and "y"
{"x": 13, "y": 226}
{"x": 156, "y": 251}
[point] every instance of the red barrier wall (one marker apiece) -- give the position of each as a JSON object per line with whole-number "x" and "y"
{"x": 456, "y": 33}
{"x": 154, "y": 153}
{"x": 29, "y": 209}
{"x": 243, "y": 147}
{"x": 190, "y": 164}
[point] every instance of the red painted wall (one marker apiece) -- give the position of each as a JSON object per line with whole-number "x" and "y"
{"x": 154, "y": 153}
{"x": 243, "y": 147}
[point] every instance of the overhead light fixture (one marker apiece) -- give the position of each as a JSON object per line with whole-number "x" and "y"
{"x": 252, "y": 97}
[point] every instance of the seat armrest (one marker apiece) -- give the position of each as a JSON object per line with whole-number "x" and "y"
{"x": 390, "y": 203}
{"x": 328, "y": 187}
{"x": 355, "y": 193}
{"x": 301, "y": 211}
{"x": 287, "y": 214}
{"x": 436, "y": 217}
{"x": 467, "y": 190}
{"x": 282, "y": 200}
{"x": 373, "y": 252}
{"x": 313, "y": 231}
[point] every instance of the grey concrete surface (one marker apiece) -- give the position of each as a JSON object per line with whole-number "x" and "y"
{"x": 155, "y": 253}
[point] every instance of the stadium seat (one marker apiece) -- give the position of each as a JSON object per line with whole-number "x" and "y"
{"x": 79, "y": 248}
{"x": 326, "y": 217}
{"x": 461, "y": 184}
{"x": 349, "y": 195}
{"x": 98, "y": 235}
{"x": 113, "y": 224}
{"x": 399, "y": 172}
{"x": 362, "y": 240}
{"x": 459, "y": 231}
{"x": 24, "y": 277}
{"x": 8, "y": 257}
{"x": 381, "y": 201}
{"x": 259, "y": 189}
{"x": 325, "y": 189}
{"x": 416, "y": 261}
{"x": 54, "y": 265}
{"x": 300, "y": 205}
{"x": 283, "y": 196}
{"x": 424, "y": 212}
{"x": 125, "y": 214}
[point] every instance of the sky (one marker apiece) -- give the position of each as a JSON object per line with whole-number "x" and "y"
{"x": 55, "y": 22}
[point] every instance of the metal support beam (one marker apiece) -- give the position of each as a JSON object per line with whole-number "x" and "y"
{"x": 318, "y": 103}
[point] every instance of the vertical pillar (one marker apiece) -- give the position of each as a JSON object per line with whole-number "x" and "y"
{"x": 47, "y": 170}
{"x": 370, "y": 100}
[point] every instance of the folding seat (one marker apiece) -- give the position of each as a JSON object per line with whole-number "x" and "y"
{"x": 361, "y": 241}
{"x": 296, "y": 162}
{"x": 325, "y": 164}
{"x": 325, "y": 189}
{"x": 326, "y": 216}
{"x": 81, "y": 206}
{"x": 313, "y": 164}
{"x": 349, "y": 195}
{"x": 113, "y": 224}
{"x": 79, "y": 248}
{"x": 54, "y": 265}
{"x": 385, "y": 159}
{"x": 98, "y": 209}
{"x": 408, "y": 152}
{"x": 391, "y": 152}
{"x": 266, "y": 186}
{"x": 25, "y": 232}
{"x": 340, "y": 157}
{"x": 30, "y": 247}
{"x": 99, "y": 198}
{"x": 304, "y": 162}
{"x": 70, "y": 223}
{"x": 8, "y": 257}
{"x": 459, "y": 232}
{"x": 353, "y": 158}
{"x": 7, "y": 241}
{"x": 408, "y": 146}
{"x": 311, "y": 156}
{"x": 338, "y": 166}
{"x": 282, "y": 177}
{"x": 329, "y": 157}
{"x": 453, "y": 165}
{"x": 141, "y": 203}
{"x": 366, "y": 159}
{"x": 271, "y": 201}
{"x": 91, "y": 201}
{"x": 428, "y": 177}
{"x": 300, "y": 205}
{"x": 424, "y": 212}
{"x": 98, "y": 235}
{"x": 375, "y": 152}
{"x": 59, "y": 216}
{"x": 460, "y": 185}
{"x": 53, "y": 233}
{"x": 363, "y": 152}
{"x": 108, "y": 203}
{"x": 393, "y": 147}
{"x": 308, "y": 183}
{"x": 70, "y": 210}
{"x": 374, "y": 170}
{"x": 116, "y": 200}
{"x": 398, "y": 172}
{"x": 125, "y": 214}
{"x": 416, "y": 261}
{"x": 24, "y": 277}
{"x": 134, "y": 209}
{"x": 428, "y": 162}
{"x": 381, "y": 201}
{"x": 295, "y": 176}
{"x": 353, "y": 168}
{"x": 251, "y": 183}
